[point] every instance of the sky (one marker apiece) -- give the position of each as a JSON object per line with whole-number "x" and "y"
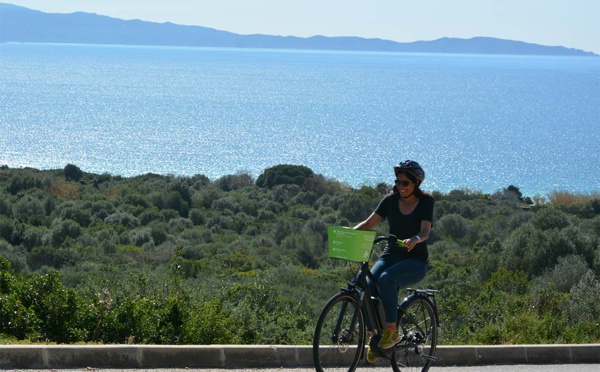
{"x": 569, "y": 23}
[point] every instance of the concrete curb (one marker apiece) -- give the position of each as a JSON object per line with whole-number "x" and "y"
{"x": 235, "y": 356}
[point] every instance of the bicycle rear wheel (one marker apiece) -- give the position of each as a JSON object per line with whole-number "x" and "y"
{"x": 419, "y": 326}
{"x": 338, "y": 344}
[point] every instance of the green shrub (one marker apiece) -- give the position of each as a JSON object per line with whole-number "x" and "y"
{"x": 284, "y": 174}
{"x": 550, "y": 218}
{"x": 453, "y": 225}
{"x": 72, "y": 172}
{"x": 63, "y": 229}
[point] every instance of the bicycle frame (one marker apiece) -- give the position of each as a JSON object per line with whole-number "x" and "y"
{"x": 359, "y": 287}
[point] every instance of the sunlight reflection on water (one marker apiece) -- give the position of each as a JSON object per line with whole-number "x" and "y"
{"x": 478, "y": 122}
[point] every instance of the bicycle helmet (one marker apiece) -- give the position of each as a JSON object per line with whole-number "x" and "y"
{"x": 411, "y": 167}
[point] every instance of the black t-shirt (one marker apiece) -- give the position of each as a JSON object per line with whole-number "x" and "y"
{"x": 406, "y": 226}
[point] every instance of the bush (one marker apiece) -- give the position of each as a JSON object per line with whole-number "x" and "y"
{"x": 5, "y": 267}
{"x": 226, "y": 206}
{"x": 566, "y": 274}
{"x": 63, "y": 229}
{"x": 29, "y": 209}
{"x": 150, "y": 215}
{"x": 123, "y": 218}
{"x": 452, "y": 225}
{"x": 5, "y": 208}
{"x": 355, "y": 208}
{"x": 210, "y": 323}
{"x": 159, "y": 234}
{"x": 283, "y": 175}
{"x": 72, "y": 172}
{"x": 533, "y": 250}
{"x": 21, "y": 182}
{"x": 584, "y": 305}
{"x": 550, "y": 218}
{"x": 75, "y": 212}
{"x": 308, "y": 248}
{"x": 57, "y": 312}
{"x": 197, "y": 217}
{"x": 6, "y": 228}
{"x": 316, "y": 225}
{"x": 263, "y": 318}
{"x": 235, "y": 182}
{"x": 140, "y": 236}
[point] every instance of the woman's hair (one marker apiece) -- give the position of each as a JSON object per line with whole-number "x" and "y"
{"x": 418, "y": 192}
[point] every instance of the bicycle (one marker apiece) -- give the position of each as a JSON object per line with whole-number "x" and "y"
{"x": 340, "y": 335}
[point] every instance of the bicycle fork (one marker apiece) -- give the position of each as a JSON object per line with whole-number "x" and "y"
{"x": 345, "y": 336}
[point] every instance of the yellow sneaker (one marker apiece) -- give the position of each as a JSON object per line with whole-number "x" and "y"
{"x": 371, "y": 358}
{"x": 389, "y": 338}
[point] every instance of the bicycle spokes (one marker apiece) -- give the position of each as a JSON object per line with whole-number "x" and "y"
{"x": 415, "y": 351}
{"x": 339, "y": 336}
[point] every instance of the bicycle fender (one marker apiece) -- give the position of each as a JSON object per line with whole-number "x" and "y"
{"x": 410, "y": 298}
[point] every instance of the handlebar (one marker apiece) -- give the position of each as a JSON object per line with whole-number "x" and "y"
{"x": 388, "y": 238}
{"x": 391, "y": 239}
{"x": 379, "y": 239}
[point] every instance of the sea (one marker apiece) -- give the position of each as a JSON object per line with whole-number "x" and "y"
{"x": 476, "y": 122}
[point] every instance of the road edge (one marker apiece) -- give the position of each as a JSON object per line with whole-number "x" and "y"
{"x": 239, "y": 356}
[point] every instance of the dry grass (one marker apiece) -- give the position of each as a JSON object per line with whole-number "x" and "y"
{"x": 565, "y": 197}
{"x": 62, "y": 189}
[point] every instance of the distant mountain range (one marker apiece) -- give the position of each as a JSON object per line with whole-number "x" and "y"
{"x": 19, "y": 24}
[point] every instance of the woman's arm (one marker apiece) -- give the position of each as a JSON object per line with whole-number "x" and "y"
{"x": 369, "y": 223}
{"x": 420, "y": 237}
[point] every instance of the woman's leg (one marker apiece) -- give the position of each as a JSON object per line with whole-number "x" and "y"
{"x": 399, "y": 275}
{"x": 380, "y": 266}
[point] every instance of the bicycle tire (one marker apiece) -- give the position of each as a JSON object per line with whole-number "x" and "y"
{"x": 334, "y": 347}
{"x": 418, "y": 323}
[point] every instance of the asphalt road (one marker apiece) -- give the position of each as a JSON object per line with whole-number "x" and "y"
{"x": 505, "y": 368}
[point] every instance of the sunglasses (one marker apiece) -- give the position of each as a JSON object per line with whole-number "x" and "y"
{"x": 402, "y": 183}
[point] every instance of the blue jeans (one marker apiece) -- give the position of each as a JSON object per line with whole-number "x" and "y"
{"x": 390, "y": 275}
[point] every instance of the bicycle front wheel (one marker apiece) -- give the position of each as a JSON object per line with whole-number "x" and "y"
{"x": 339, "y": 338}
{"x": 418, "y": 324}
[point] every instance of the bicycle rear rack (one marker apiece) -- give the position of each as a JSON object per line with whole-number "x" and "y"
{"x": 423, "y": 292}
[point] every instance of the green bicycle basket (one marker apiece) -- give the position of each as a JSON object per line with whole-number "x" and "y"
{"x": 349, "y": 244}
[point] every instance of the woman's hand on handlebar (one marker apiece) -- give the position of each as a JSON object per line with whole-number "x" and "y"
{"x": 409, "y": 244}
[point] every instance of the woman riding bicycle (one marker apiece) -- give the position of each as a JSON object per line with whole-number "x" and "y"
{"x": 409, "y": 212}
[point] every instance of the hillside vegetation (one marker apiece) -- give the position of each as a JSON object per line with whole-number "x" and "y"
{"x": 187, "y": 260}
